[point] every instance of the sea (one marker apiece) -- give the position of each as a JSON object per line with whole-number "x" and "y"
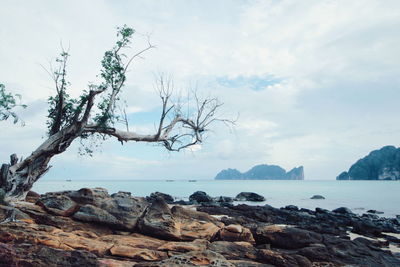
{"x": 359, "y": 196}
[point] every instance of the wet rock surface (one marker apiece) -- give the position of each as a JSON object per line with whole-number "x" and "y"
{"x": 89, "y": 227}
{"x": 249, "y": 196}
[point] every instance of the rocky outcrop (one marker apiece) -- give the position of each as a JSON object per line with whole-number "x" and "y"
{"x": 50, "y": 233}
{"x": 382, "y": 164}
{"x": 249, "y": 196}
{"x": 200, "y": 197}
{"x": 262, "y": 172}
{"x": 153, "y": 196}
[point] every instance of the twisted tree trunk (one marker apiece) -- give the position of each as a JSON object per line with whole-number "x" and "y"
{"x": 17, "y": 178}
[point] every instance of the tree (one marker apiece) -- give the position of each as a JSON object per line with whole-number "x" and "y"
{"x": 94, "y": 114}
{"x": 8, "y": 102}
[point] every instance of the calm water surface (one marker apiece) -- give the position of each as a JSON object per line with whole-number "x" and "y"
{"x": 356, "y": 195}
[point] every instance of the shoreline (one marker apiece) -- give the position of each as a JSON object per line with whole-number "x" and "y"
{"x": 279, "y": 194}
{"x": 90, "y": 227}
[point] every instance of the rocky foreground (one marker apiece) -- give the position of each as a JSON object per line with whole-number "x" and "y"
{"x": 89, "y": 227}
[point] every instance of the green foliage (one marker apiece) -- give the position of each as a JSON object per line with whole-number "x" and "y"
{"x": 7, "y": 103}
{"x": 62, "y": 108}
{"x": 113, "y": 75}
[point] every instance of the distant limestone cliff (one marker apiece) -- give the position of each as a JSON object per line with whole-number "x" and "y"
{"x": 262, "y": 172}
{"x": 382, "y": 164}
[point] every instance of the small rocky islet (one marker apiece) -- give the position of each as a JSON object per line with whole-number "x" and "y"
{"x": 90, "y": 227}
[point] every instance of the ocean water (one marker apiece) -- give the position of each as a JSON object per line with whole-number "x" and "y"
{"x": 359, "y": 196}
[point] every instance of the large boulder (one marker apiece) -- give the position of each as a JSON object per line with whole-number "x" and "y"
{"x": 249, "y": 196}
{"x": 223, "y": 199}
{"x": 236, "y": 232}
{"x": 286, "y": 237}
{"x": 234, "y": 250}
{"x": 177, "y": 224}
{"x": 58, "y": 204}
{"x": 119, "y": 210}
{"x": 200, "y": 197}
{"x": 167, "y": 198}
{"x": 87, "y": 195}
{"x": 343, "y": 210}
{"x": 90, "y": 213}
{"x": 317, "y": 197}
{"x": 159, "y": 222}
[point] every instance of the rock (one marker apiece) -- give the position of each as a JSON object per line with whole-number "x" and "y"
{"x": 177, "y": 224}
{"x": 188, "y": 214}
{"x": 88, "y": 195}
{"x": 119, "y": 210}
{"x": 317, "y": 197}
{"x": 32, "y": 197}
{"x": 195, "y": 225}
{"x": 184, "y": 203}
{"x": 282, "y": 260}
{"x": 167, "y": 198}
{"x": 292, "y": 208}
{"x": 125, "y": 208}
{"x": 141, "y": 254}
{"x": 234, "y": 250}
{"x": 58, "y": 204}
{"x": 133, "y": 240}
{"x": 90, "y": 213}
{"x": 375, "y": 211}
{"x": 223, "y": 199}
{"x": 25, "y": 254}
{"x": 249, "y": 196}
{"x": 200, "y": 197}
{"x": 343, "y": 210}
{"x": 183, "y": 247}
{"x": 158, "y": 221}
{"x": 205, "y": 258}
{"x": 286, "y": 237}
{"x": 235, "y": 232}
{"x": 8, "y": 213}
{"x": 323, "y": 211}
{"x": 123, "y": 194}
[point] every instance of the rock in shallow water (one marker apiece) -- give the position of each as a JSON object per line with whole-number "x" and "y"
{"x": 249, "y": 196}
{"x": 200, "y": 197}
{"x": 317, "y": 197}
{"x": 167, "y": 198}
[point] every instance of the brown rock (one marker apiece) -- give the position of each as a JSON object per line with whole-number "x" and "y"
{"x": 286, "y": 237}
{"x": 235, "y": 232}
{"x": 234, "y": 250}
{"x": 196, "y": 245}
{"x": 141, "y": 254}
{"x": 87, "y": 195}
{"x": 134, "y": 240}
{"x": 58, "y": 204}
{"x": 32, "y": 197}
{"x": 281, "y": 259}
{"x": 115, "y": 263}
{"x": 192, "y": 259}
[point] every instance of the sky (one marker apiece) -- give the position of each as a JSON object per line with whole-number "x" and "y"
{"x": 315, "y": 83}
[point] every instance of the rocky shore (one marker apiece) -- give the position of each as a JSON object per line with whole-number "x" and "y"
{"x": 90, "y": 227}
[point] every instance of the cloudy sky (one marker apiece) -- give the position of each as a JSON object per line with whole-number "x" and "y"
{"x": 316, "y": 83}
